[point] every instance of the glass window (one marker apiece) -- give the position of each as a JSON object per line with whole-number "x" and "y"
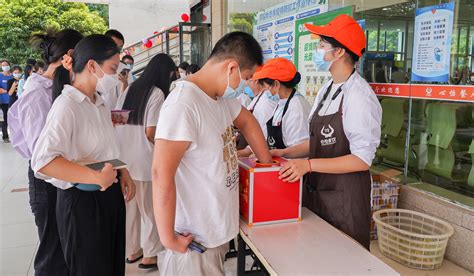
{"x": 435, "y": 119}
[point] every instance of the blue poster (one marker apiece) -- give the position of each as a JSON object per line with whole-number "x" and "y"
{"x": 432, "y": 43}
{"x": 274, "y": 27}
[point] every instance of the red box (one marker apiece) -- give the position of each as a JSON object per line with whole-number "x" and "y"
{"x": 264, "y": 198}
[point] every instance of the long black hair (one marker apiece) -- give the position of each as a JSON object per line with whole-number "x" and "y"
{"x": 95, "y": 47}
{"x": 158, "y": 73}
{"x": 28, "y": 70}
{"x": 55, "y": 45}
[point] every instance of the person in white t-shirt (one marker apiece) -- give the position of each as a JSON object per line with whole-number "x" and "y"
{"x": 90, "y": 206}
{"x": 144, "y": 97}
{"x": 195, "y": 165}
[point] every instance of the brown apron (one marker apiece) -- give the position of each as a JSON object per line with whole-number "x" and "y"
{"x": 343, "y": 200}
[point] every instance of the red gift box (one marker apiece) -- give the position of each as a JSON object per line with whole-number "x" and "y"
{"x": 264, "y": 198}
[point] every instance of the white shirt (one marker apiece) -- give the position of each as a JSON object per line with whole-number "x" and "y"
{"x": 294, "y": 126}
{"x": 207, "y": 179}
{"x": 135, "y": 148}
{"x": 111, "y": 97}
{"x": 76, "y": 129}
{"x": 362, "y": 115}
{"x": 244, "y": 99}
{"x": 263, "y": 110}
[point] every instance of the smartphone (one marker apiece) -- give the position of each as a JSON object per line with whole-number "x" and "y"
{"x": 116, "y": 165}
{"x": 195, "y": 246}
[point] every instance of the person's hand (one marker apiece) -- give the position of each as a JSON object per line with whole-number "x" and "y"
{"x": 107, "y": 177}
{"x": 294, "y": 169}
{"x": 128, "y": 186}
{"x": 277, "y": 152}
{"x": 124, "y": 79}
{"x": 180, "y": 243}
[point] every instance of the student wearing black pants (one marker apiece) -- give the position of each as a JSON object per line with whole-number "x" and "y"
{"x": 43, "y": 205}
{"x": 90, "y": 207}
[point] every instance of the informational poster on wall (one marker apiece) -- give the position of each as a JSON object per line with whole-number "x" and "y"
{"x": 275, "y": 26}
{"x": 305, "y": 46}
{"x": 432, "y": 43}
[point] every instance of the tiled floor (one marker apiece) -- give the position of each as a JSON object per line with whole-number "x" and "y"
{"x": 18, "y": 238}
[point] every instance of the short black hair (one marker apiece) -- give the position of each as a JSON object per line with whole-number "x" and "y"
{"x": 31, "y": 61}
{"x": 16, "y": 67}
{"x": 193, "y": 68}
{"x": 183, "y": 65}
{"x": 240, "y": 46}
{"x": 114, "y": 33}
{"x": 337, "y": 44}
{"x": 6, "y": 60}
{"x": 39, "y": 64}
{"x": 128, "y": 57}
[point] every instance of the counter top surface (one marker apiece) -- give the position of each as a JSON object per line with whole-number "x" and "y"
{"x": 311, "y": 247}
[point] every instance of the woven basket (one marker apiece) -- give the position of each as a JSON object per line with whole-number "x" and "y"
{"x": 411, "y": 238}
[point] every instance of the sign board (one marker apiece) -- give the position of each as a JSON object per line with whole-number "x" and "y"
{"x": 432, "y": 43}
{"x": 274, "y": 28}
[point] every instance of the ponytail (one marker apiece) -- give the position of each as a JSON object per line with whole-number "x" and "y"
{"x": 61, "y": 78}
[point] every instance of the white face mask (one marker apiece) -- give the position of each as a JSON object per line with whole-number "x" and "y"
{"x": 17, "y": 76}
{"x": 6, "y": 68}
{"x": 106, "y": 82}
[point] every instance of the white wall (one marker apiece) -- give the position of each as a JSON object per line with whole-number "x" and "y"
{"x": 137, "y": 19}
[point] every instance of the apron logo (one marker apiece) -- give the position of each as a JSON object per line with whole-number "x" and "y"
{"x": 328, "y": 132}
{"x": 271, "y": 141}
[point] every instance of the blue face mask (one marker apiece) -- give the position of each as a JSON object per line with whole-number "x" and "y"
{"x": 248, "y": 91}
{"x": 231, "y": 93}
{"x": 319, "y": 62}
{"x": 272, "y": 97}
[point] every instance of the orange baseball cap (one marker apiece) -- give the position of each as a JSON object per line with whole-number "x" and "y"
{"x": 345, "y": 30}
{"x": 279, "y": 69}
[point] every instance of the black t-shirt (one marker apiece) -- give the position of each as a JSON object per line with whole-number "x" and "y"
{"x": 14, "y": 96}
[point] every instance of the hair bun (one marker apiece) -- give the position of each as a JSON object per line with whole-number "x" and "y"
{"x": 296, "y": 79}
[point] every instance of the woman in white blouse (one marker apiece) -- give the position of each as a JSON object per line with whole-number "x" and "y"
{"x": 90, "y": 206}
{"x": 136, "y": 139}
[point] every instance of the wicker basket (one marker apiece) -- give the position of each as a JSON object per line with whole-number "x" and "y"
{"x": 411, "y": 238}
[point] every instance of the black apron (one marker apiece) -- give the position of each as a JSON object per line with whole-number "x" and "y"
{"x": 241, "y": 142}
{"x": 343, "y": 200}
{"x": 275, "y": 133}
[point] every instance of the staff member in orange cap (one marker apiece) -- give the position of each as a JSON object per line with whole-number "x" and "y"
{"x": 288, "y": 125}
{"x": 344, "y": 134}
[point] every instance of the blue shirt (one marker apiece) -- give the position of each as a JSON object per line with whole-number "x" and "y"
{"x": 4, "y": 97}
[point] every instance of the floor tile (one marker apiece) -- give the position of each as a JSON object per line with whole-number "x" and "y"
{"x": 16, "y": 261}
{"x": 17, "y": 235}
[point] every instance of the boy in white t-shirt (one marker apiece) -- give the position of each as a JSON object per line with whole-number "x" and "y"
{"x": 195, "y": 165}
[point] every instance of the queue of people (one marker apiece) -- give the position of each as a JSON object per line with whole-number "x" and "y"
{"x": 180, "y": 183}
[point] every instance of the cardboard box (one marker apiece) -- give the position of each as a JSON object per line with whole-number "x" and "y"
{"x": 264, "y": 198}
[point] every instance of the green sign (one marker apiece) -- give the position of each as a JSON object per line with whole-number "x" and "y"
{"x": 305, "y": 46}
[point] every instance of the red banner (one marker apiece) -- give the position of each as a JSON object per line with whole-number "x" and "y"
{"x": 458, "y": 93}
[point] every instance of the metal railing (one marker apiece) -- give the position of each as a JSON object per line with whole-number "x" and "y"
{"x": 177, "y": 41}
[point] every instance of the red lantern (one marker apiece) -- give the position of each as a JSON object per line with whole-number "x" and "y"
{"x": 149, "y": 44}
{"x": 204, "y": 18}
{"x": 155, "y": 32}
{"x": 185, "y": 17}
